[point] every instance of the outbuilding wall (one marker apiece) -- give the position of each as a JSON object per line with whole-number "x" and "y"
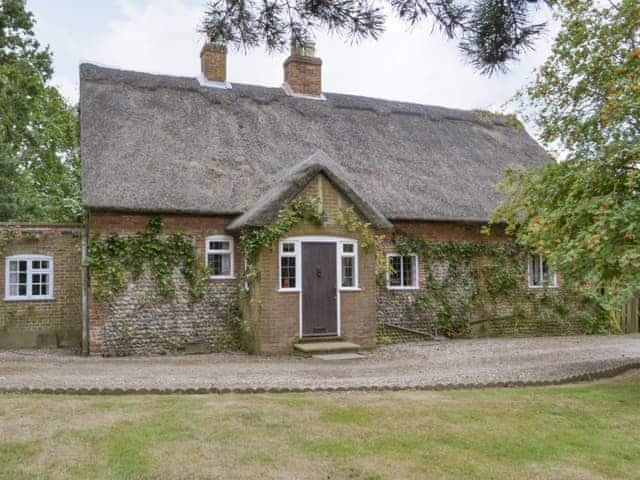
{"x": 44, "y": 323}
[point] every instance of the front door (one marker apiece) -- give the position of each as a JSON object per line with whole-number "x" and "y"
{"x": 319, "y": 293}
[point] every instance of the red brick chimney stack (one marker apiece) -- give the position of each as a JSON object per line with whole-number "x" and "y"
{"x": 303, "y": 70}
{"x": 213, "y": 61}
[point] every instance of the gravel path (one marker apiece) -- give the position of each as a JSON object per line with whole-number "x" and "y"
{"x": 448, "y": 364}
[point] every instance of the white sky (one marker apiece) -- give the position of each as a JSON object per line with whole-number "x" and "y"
{"x": 161, "y": 36}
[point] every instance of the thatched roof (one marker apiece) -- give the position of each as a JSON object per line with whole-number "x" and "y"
{"x": 293, "y": 183}
{"x": 167, "y": 144}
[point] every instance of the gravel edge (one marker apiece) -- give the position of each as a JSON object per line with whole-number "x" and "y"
{"x": 583, "y": 377}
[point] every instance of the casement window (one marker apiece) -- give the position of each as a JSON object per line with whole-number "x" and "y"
{"x": 289, "y": 265}
{"x": 402, "y": 271}
{"x": 348, "y": 265}
{"x": 29, "y": 277}
{"x": 220, "y": 256}
{"x": 540, "y": 273}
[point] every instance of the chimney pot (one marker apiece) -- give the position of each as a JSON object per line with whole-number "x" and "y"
{"x": 303, "y": 70}
{"x": 213, "y": 61}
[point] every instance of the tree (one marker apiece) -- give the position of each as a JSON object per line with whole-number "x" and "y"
{"x": 38, "y": 130}
{"x": 490, "y": 32}
{"x": 583, "y": 213}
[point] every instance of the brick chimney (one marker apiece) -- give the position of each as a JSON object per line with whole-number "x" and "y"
{"x": 303, "y": 71}
{"x": 213, "y": 61}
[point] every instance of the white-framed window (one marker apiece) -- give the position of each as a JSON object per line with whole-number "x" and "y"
{"x": 348, "y": 253}
{"x": 540, "y": 273}
{"x": 289, "y": 278}
{"x": 29, "y": 277}
{"x": 220, "y": 256}
{"x": 402, "y": 271}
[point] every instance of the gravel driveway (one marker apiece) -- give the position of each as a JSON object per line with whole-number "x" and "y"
{"x": 448, "y": 364}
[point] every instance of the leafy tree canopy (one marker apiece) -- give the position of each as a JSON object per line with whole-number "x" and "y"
{"x": 583, "y": 213}
{"x": 39, "y": 164}
{"x": 490, "y": 32}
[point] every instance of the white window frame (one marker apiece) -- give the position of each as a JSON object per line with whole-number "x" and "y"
{"x": 416, "y": 266}
{"x": 553, "y": 280}
{"x": 29, "y": 258}
{"x": 297, "y": 251}
{"x": 208, "y": 251}
{"x": 354, "y": 255}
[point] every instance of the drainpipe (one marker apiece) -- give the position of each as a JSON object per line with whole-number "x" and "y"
{"x": 85, "y": 295}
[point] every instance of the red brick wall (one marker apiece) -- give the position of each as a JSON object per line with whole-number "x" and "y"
{"x": 22, "y": 321}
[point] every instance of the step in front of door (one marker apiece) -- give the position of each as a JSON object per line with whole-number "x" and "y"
{"x": 311, "y": 348}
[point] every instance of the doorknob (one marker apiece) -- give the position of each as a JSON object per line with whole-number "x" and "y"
{"x": 318, "y": 272}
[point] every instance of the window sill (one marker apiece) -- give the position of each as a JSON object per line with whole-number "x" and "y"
{"x": 288, "y": 290}
{"x": 541, "y": 287}
{"x": 27, "y": 299}
{"x": 350, "y": 289}
{"x": 222, "y": 277}
{"x": 402, "y": 288}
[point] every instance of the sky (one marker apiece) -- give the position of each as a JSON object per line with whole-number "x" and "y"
{"x": 160, "y": 36}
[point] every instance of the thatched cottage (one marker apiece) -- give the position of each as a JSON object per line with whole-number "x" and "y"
{"x": 400, "y": 193}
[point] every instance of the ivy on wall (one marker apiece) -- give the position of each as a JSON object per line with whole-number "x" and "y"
{"x": 474, "y": 277}
{"x": 111, "y": 258}
{"x": 14, "y": 234}
{"x": 254, "y": 240}
{"x": 348, "y": 218}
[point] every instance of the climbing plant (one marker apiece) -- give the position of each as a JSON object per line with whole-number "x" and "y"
{"x": 463, "y": 278}
{"x": 13, "y": 234}
{"x": 265, "y": 237}
{"x": 348, "y": 218}
{"x": 109, "y": 260}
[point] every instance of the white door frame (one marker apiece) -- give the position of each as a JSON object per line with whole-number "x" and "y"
{"x": 299, "y": 240}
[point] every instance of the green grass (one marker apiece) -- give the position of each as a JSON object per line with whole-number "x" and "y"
{"x": 580, "y": 431}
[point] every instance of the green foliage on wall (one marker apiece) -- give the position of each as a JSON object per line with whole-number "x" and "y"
{"x": 348, "y": 218}
{"x": 475, "y": 277}
{"x": 254, "y": 240}
{"x": 14, "y": 234}
{"x": 109, "y": 259}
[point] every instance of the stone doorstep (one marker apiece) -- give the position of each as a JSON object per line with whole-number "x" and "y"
{"x": 328, "y": 357}
{"x": 310, "y": 348}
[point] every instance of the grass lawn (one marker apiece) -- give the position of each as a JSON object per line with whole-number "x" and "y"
{"x": 581, "y": 431}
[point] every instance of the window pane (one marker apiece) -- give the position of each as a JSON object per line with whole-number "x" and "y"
{"x": 288, "y": 272}
{"x": 394, "y": 271}
{"x": 289, "y": 247}
{"x": 35, "y": 264}
{"x": 18, "y": 278}
{"x": 35, "y": 289}
{"x": 219, "y": 245}
{"x": 408, "y": 274}
{"x": 219, "y": 263}
{"x": 536, "y": 274}
{"x": 347, "y": 247}
{"x": 347, "y": 272}
{"x": 44, "y": 264}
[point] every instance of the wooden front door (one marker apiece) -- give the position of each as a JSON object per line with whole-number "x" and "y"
{"x": 319, "y": 292}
